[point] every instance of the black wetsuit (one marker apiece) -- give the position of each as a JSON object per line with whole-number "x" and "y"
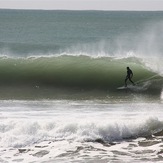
{"x": 129, "y": 73}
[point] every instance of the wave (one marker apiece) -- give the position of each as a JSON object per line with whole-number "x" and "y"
{"x": 24, "y": 133}
{"x": 76, "y": 73}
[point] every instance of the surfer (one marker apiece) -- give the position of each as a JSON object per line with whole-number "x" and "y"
{"x": 129, "y": 76}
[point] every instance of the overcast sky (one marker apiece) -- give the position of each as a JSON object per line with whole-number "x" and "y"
{"x": 84, "y": 4}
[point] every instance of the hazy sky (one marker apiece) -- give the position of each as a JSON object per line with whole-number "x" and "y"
{"x": 84, "y": 4}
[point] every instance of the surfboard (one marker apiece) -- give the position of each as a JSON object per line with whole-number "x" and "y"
{"x": 135, "y": 88}
{"x": 124, "y": 87}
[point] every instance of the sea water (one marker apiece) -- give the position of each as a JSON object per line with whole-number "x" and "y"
{"x": 59, "y": 74}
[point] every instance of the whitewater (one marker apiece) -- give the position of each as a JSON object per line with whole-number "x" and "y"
{"x": 59, "y": 77}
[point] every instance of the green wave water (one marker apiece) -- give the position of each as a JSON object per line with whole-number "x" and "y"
{"x": 69, "y": 74}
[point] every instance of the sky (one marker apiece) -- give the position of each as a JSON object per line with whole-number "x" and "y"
{"x": 83, "y": 4}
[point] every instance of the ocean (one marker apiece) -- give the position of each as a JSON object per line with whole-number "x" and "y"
{"x": 62, "y": 94}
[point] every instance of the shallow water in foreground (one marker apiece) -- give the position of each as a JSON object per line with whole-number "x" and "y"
{"x": 81, "y": 131}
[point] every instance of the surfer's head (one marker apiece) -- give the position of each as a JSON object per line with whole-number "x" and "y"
{"x": 128, "y": 68}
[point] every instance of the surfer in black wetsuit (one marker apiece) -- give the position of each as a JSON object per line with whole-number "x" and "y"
{"x": 129, "y": 76}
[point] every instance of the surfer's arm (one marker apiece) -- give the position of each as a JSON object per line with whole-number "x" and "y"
{"x": 131, "y": 74}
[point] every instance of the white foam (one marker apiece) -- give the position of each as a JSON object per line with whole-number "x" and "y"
{"x": 29, "y": 124}
{"x": 46, "y": 130}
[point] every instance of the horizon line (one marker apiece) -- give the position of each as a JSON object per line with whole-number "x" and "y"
{"x": 79, "y": 9}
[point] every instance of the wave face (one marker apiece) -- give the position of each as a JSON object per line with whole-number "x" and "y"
{"x": 78, "y": 73}
{"x": 71, "y": 71}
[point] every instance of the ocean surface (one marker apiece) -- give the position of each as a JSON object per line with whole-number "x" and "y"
{"x": 61, "y": 86}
